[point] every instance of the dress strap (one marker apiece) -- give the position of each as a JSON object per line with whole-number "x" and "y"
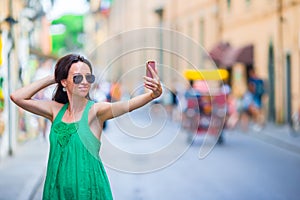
{"x": 88, "y": 139}
{"x": 87, "y": 109}
{"x": 61, "y": 112}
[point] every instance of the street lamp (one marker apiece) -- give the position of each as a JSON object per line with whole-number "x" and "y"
{"x": 10, "y": 21}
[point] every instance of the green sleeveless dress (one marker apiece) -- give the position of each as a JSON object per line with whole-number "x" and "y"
{"x": 75, "y": 170}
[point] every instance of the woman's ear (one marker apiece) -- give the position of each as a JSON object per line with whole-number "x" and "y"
{"x": 63, "y": 82}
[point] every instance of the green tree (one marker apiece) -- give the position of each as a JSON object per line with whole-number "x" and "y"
{"x": 70, "y": 39}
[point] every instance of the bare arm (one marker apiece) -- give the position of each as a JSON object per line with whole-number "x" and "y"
{"x": 119, "y": 108}
{"x": 116, "y": 109}
{"x": 23, "y": 97}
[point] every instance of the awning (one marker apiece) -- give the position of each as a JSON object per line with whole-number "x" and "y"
{"x": 238, "y": 55}
{"x": 225, "y": 55}
{"x": 245, "y": 55}
{"x": 229, "y": 57}
{"x": 206, "y": 74}
{"x": 218, "y": 51}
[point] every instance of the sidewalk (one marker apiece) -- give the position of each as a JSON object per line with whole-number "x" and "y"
{"x": 21, "y": 174}
{"x": 279, "y": 135}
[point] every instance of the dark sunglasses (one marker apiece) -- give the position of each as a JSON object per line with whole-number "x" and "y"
{"x": 90, "y": 78}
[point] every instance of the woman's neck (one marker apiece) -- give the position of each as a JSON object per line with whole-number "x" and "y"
{"x": 76, "y": 105}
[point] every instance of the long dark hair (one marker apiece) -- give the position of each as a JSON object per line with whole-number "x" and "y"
{"x": 62, "y": 69}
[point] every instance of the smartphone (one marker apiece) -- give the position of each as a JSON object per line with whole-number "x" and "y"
{"x": 152, "y": 65}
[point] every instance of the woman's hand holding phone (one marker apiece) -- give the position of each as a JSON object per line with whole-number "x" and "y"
{"x": 150, "y": 64}
{"x": 152, "y": 81}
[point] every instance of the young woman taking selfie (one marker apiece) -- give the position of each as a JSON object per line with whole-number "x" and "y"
{"x": 74, "y": 169}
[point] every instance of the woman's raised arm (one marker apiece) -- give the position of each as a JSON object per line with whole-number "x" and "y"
{"x": 112, "y": 110}
{"x": 23, "y": 97}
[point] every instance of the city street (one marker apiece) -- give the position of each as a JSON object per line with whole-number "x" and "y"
{"x": 236, "y": 60}
{"x": 244, "y": 167}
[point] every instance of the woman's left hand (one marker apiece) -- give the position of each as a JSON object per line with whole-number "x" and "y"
{"x": 153, "y": 84}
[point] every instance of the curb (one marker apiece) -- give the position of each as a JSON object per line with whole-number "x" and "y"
{"x": 36, "y": 186}
{"x": 31, "y": 187}
{"x": 277, "y": 142}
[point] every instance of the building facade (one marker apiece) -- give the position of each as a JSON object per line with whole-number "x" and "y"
{"x": 24, "y": 40}
{"x": 267, "y": 31}
{"x": 10, "y": 29}
{"x": 262, "y": 34}
{"x": 113, "y": 52}
{"x": 270, "y": 27}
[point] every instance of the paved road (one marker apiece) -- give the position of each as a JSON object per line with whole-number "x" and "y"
{"x": 20, "y": 173}
{"x": 145, "y": 165}
{"x": 243, "y": 168}
{"x": 240, "y": 170}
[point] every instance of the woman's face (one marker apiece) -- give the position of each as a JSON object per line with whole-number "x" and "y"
{"x": 77, "y": 82}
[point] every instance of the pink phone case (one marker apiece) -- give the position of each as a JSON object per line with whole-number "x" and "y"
{"x": 152, "y": 65}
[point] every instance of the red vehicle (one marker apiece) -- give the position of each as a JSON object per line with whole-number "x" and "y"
{"x": 208, "y": 116}
{"x": 206, "y": 110}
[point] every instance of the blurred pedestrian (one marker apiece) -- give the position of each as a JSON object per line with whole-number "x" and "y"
{"x": 75, "y": 170}
{"x": 191, "y": 112}
{"x": 258, "y": 92}
{"x": 174, "y": 103}
{"x": 250, "y": 109}
{"x": 115, "y": 92}
{"x": 221, "y": 109}
{"x": 258, "y": 87}
{"x": 233, "y": 114}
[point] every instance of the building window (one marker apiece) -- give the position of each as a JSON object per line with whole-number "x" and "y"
{"x": 228, "y": 4}
{"x": 190, "y": 29}
{"x": 288, "y": 95}
{"x": 190, "y": 34}
{"x": 271, "y": 87}
{"x": 248, "y": 2}
{"x": 201, "y": 32}
{"x": 201, "y": 41}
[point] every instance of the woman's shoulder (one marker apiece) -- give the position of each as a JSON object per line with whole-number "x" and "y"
{"x": 101, "y": 105}
{"x": 56, "y": 107}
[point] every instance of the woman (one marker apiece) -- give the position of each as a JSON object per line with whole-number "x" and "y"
{"x": 75, "y": 170}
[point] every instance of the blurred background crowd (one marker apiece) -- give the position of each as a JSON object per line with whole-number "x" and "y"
{"x": 256, "y": 41}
